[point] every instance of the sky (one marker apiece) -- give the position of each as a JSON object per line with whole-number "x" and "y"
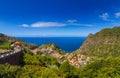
{"x": 57, "y": 18}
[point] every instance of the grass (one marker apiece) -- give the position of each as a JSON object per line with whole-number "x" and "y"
{"x": 5, "y": 45}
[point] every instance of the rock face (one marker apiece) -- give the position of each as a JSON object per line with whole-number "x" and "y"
{"x": 89, "y": 43}
{"x": 103, "y": 43}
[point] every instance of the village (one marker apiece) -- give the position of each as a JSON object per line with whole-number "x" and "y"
{"x": 77, "y": 60}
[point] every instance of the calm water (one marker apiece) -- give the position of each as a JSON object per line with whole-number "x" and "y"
{"x": 67, "y": 44}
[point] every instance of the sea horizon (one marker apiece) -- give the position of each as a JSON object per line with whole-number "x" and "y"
{"x": 48, "y": 36}
{"x": 67, "y": 44}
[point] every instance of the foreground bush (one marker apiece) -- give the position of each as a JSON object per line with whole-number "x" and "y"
{"x": 102, "y": 68}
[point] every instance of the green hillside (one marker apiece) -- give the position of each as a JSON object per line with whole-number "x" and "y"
{"x": 102, "y": 44}
{"x": 5, "y": 42}
{"x": 51, "y": 47}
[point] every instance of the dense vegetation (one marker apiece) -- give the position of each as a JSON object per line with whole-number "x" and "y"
{"x": 103, "y": 44}
{"x": 102, "y": 68}
{"x": 47, "y": 67}
{"x": 38, "y": 66}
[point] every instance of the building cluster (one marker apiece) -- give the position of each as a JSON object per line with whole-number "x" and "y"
{"x": 16, "y": 45}
{"x": 78, "y": 60}
{"x": 50, "y": 51}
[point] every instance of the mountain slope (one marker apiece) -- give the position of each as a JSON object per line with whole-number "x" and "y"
{"x": 102, "y": 44}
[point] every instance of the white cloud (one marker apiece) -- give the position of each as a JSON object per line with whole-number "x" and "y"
{"x": 48, "y": 24}
{"x": 24, "y": 25}
{"x": 72, "y": 21}
{"x": 104, "y": 16}
{"x": 117, "y": 15}
{"x": 88, "y": 25}
{"x": 55, "y": 24}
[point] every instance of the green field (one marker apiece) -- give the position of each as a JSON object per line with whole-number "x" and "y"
{"x": 5, "y": 45}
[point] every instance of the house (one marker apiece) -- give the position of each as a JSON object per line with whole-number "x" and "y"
{"x": 17, "y": 45}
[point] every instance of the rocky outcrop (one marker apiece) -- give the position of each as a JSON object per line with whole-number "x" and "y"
{"x": 51, "y": 49}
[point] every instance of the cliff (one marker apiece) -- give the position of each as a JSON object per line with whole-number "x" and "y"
{"x": 102, "y": 44}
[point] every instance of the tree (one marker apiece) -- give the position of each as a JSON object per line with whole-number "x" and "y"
{"x": 68, "y": 71}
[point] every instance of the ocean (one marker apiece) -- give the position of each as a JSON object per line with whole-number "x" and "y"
{"x": 68, "y": 44}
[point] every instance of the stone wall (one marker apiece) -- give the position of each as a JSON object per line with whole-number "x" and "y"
{"x": 13, "y": 59}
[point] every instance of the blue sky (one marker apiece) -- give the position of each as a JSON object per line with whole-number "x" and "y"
{"x": 57, "y": 17}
